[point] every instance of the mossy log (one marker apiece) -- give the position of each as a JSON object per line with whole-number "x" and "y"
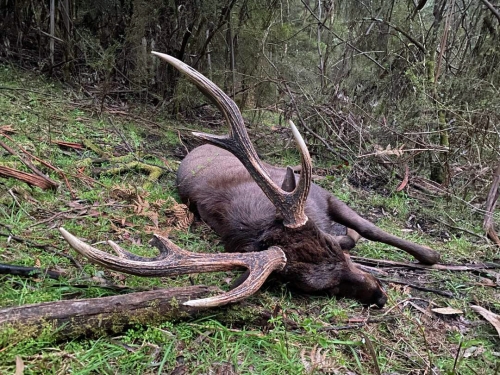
{"x": 98, "y": 316}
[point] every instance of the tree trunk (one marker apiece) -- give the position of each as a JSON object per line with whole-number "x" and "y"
{"x": 439, "y": 162}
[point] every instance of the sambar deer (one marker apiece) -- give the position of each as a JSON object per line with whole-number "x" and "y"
{"x": 270, "y": 220}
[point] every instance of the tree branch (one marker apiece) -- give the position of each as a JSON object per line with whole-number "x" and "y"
{"x": 492, "y": 9}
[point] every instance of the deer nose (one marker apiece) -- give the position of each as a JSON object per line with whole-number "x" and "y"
{"x": 381, "y": 301}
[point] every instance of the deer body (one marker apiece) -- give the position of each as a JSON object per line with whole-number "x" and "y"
{"x": 269, "y": 219}
{"x": 217, "y": 186}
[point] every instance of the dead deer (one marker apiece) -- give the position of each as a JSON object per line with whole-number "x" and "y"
{"x": 270, "y": 220}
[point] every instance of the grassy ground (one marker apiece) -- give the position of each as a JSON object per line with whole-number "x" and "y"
{"x": 273, "y": 332}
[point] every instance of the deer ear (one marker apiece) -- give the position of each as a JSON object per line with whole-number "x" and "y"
{"x": 289, "y": 184}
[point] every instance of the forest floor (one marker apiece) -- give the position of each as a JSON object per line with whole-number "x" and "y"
{"x": 91, "y": 152}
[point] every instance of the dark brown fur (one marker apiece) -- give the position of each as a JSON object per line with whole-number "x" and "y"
{"x": 216, "y": 185}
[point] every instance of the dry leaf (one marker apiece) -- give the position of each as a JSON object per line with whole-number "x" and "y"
{"x": 379, "y": 150}
{"x": 183, "y": 217}
{"x": 317, "y": 360}
{"x": 494, "y": 319}
{"x": 474, "y": 351}
{"x": 446, "y": 311}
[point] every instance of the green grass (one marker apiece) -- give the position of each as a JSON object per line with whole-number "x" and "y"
{"x": 274, "y": 331}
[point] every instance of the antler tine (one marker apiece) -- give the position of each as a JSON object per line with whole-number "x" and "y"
{"x": 174, "y": 261}
{"x": 290, "y": 205}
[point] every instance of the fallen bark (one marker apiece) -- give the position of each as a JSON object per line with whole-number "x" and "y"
{"x": 99, "y": 316}
{"x": 30, "y": 178}
{"x": 36, "y": 172}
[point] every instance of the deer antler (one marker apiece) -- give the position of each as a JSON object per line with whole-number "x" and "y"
{"x": 173, "y": 261}
{"x": 290, "y": 205}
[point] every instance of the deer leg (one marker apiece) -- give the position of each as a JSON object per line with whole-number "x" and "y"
{"x": 344, "y": 215}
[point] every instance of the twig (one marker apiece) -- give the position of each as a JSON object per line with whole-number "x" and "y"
{"x": 182, "y": 143}
{"x": 45, "y": 247}
{"x": 420, "y": 266}
{"x": 419, "y": 287}
{"x": 461, "y": 229}
{"x": 372, "y": 270}
{"x": 357, "y": 325}
{"x": 399, "y": 30}
{"x": 492, "y": 9}
{"x": 120, "y": 134}
{"x": 373, "y": 354}
{"x": 19, "y": 204}
{"x": 50, "y": 219}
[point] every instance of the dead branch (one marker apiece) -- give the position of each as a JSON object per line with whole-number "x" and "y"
{"x": 97, "y": 316}
{"x": 420, "y": 287}
{"x": 420, "y": 266}
{"x": 46, "y": 247}
{"x": 492, "y": 9}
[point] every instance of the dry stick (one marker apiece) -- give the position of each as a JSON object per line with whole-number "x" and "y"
{"x": 120, "y": 134}
{"x": 373, "y": 354}
{"x": 419, "y": 266}
{"x": 357, "y": 325}
{"x": 461, "y": 229}
{"x": 372, "y": 270}
{"x": 399, "y": 30}
{"x": 419, "y": 287}
{"x": 48, "y": 220}
{"x": 317, "y": 136}
{"x": 97, "y": 316}
{"x": 492, "y": 9}
{"x": 19, "y": 204}
{"x": 45, "y": 247}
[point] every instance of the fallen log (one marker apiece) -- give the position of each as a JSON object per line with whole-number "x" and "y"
{"x": 99, "y": 316}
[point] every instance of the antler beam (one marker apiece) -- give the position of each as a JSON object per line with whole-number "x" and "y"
{"x": 173, "y": 261}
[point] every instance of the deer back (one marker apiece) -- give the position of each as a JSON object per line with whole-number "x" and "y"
{"x": 218, "y": 187}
